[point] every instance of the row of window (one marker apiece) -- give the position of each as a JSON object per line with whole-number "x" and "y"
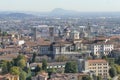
{"x": 103, "y": 45}
{"x": 97, "y": 64}
{"x": 56, "y": 66}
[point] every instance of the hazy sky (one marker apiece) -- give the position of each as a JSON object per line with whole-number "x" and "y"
{"x": 48, "y": 5}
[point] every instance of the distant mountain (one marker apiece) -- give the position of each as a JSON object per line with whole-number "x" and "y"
{"x": 62, "y": 12}
{"x": 19, "y": 15}
{"x": 58, "y": 12}
{"x": 13, "y": 15}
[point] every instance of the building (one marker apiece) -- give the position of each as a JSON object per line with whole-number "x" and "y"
{"x": 89, "y": 30}
{"x": 51, "y": 34}
{"x": 66, "y": 33}
{"x": 74, "y": 35}
{"x": 12, "y": 77}
{"x": 34, "y": 33}
{"x": 67, "y": 76}
{"x": 97, "y": 67}
{"x": 101, "y": 49}
{"x": 41, "y": 76}
{"x": 56, "y": 65}
{"x": 9, "y": 77}
{"x": 44, "y": 48}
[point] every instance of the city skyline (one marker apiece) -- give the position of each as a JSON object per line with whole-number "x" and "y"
{"x": 48, "y": 5}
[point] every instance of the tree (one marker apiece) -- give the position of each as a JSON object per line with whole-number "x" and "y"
{"x": 44, "y": 65}
{"x": 16, "y": 60}
{"x": 19, "y": 57}
{"x": 29, "y": 78}
{"x": 37, "y": 69}
{"x": 118, "y": 60}
{"x": 111, "y": 61}
{"x": 23, "y": 75}
{"x": 117, "y": 67}
{"x": 50, "y": 71}
{"x": 71, "y": 67}
{"x": 4, "y": 68}
{"x": 33, "y": 57}
{"x": 99, "y": 78}
{"x": 4, "y": 33}
{"x": 104, "y": 57}
{"x": 112, "y": 72}
{"x": 86, "y": 78}
{"x": 9, "y": 65}
{"x": 61, "y": 58}
{"x": 27, "y": 70}
{"x": 15, "y": 70}
{"x": 21, "y": 63}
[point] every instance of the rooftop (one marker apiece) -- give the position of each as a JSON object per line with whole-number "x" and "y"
{"x": 97, "y": 61}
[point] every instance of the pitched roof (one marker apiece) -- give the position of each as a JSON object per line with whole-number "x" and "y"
{"x": 97, "y": 61}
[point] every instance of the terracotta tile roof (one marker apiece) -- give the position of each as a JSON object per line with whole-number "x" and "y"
{"x": 97, "y": 61}
{"x": 10, "y": 50}
{"x": 114, "y": 37}
{"x": 56, "y": 63}
{"x": 39, "y": 42}
{"x": 30, "y": 43}
{"x": 59, "y": 44}
{"x": 8, "y": 57}
{"x": 44, "y": 43}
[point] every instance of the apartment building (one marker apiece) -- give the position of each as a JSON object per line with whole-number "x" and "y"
{"x": 98, "y": 67}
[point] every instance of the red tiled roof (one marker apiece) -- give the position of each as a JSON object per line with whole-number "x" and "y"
{"x": 97, "y": 61}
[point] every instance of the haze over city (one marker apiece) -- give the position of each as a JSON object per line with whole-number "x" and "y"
{"x": 48, "y": 5}
{"x": 59, "y": 39}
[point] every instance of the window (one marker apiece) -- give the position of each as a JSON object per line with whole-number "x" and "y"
{"x": 99, "y": 74}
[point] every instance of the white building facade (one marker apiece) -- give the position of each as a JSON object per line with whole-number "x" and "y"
{"x": 101, "y": 49}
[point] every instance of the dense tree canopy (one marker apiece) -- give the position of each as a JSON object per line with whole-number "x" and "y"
{"x": 21, "y": 63}
{"x": 71, "y": 67}
{"x": 118, "y": 60}
{"x": 44, "y": 65}
{"x": 37, "y": 69}
{"x": 99, "y": 78}
{"x": 117, "y": 67}
{"x": 34, "y": 57}
{"x": 86, "y": 78}
{"x": 15, "y": 70}
{"x": 61, "y": 58}
{"x": 4, "y": 68}
{"x": 112, "y": 72}
{"x": 23, "y": 75}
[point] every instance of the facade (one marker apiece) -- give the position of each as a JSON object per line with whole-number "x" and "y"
{"x": 45, "y": 49}
{"x": 9, "y": 77}
{"x": 20, "y": 42}
{"x": 56, "y": 65}
{"x": 101, "y": 49}
{"x": 67, "y": 76}
{"x": 74, "y": 35}
{"x": 51, "y": 34}
{"x": 41, "y": 76}
{"x": 34, "y": 33}
{"x": 97, "y": 67}
{"x": 66, "y": 33}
